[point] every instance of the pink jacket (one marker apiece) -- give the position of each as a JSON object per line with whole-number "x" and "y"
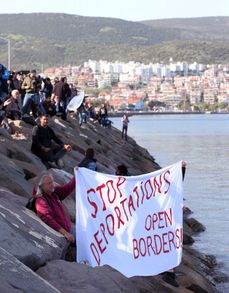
{"x": 53, "y": 213}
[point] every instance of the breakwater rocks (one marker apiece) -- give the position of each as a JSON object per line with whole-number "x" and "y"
{"x": 30, "y": 251}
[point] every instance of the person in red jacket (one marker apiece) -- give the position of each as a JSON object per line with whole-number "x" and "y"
{"x": 49, "y": 206}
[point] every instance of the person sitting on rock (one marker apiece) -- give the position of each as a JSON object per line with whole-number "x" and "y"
{"x": 121, "y": 170}
{"x": 49, "y": 206}
{"x": 103, "y": 115}
{"x": 42, "y": 144}
{"x": 12, "y": 106}
{"x": 89, "y": 162}
{"x": 90, "y": 111}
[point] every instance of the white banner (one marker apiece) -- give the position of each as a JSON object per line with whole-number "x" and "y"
{"x": 133, "y": 224}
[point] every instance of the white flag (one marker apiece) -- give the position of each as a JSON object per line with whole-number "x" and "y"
{"x": 75, "y": 102}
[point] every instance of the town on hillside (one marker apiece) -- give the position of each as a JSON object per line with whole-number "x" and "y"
{"x": 159, "y": 87}
{"x": 175, "y": 87}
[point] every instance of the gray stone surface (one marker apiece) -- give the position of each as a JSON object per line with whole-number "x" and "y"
{"x": 73, "y": 277}
{"x": 28, "y": 239}
{"x": 24, "y": 235}
{"x": 16, "y": 277}
{"x": 12, "y": 176}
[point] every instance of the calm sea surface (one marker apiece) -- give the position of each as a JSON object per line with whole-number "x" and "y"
{"x": 202, "y": 141}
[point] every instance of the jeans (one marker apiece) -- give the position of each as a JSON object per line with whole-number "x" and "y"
{"x": 82, "y": 118}
{"x": 62, "y": 108}
{"x": 124, "y": 132}
{"x": 72, "y": 245}
{"x": 29, "y": 100}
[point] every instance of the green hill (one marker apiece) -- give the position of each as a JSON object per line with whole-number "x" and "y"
{"x": 207, "y": 27}
{"x": 56, "y": 39}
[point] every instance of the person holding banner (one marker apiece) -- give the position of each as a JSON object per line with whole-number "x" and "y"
{"x": 49, "y": 206}
{"x": 183, "y": 165}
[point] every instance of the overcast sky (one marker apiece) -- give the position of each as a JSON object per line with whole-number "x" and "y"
{"x": 125, "y": 9}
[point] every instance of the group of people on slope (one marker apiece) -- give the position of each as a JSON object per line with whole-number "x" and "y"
{"x": 38, "y": 95}
{"x": 49, "y": 197}
{"x": 51, "y": 149}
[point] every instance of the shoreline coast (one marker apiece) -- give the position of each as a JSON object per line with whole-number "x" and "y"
{"x": 133, "y": 113}
{"x": 41, "y": 258}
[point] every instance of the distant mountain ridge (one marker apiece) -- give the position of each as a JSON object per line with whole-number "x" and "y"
{"x": 57, "y": 39}
{"x": 207, "y": 27}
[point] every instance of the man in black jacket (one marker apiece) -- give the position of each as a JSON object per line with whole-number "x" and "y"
{"x": 42, "y": 144}
{"x": 62, "y": 93}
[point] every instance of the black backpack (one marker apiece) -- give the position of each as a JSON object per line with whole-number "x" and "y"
{"x": 32, "y": 201}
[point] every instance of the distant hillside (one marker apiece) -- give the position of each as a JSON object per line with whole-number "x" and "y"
{"x": 56, "y": 39}
{"x": 206, "y": 27}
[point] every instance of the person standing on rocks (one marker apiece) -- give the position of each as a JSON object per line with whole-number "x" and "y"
{"x": 62, "y": 93}
{"x": 49, "y": 206}
{"x": 32, "y": 84}
{"x": 43, "y": 147}
{"x": 125, "y": 122}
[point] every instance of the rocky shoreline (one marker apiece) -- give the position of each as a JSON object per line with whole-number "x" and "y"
{"x": 30, "y": 251}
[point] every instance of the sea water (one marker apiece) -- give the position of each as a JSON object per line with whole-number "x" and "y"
{"x": 203, "y": 142}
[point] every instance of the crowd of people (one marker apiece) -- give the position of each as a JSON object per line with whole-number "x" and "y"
{"x": 26, "y": 95}
{"x": 29, "y": 97}
{"x": 49, "y": 197}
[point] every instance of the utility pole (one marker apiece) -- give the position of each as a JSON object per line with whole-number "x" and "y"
{"x": 9, "y": 57}
{"x": 8, "y": 51}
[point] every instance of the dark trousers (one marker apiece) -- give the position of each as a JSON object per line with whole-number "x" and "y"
{"x": 124, "y": 132}
{"x": 62, "y": 106}
{"x": 53, "y": 155}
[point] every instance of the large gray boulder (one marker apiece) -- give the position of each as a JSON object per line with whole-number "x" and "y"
{"x": 80, "y": 278}
{"x": 16, "y": 277}
{"x": 36, "y": 245}
{"x": 24, "y": 235}
{"x": 13, "y": 177}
